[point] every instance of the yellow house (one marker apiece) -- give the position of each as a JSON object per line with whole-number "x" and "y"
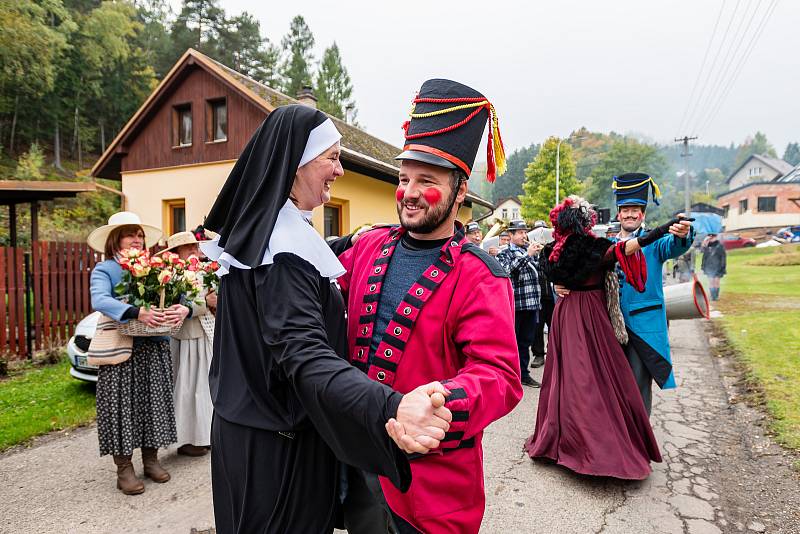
{"x": 175, "y": 153}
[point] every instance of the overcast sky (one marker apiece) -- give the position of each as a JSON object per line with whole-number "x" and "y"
{"x": 551, "y": 67}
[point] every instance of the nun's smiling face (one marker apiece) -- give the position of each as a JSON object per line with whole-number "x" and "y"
{"x": 313, "y": 182}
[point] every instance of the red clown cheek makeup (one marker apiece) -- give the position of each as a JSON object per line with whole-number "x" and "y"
{"x": 400, "y": 194}
{"x": 432, "y": 196}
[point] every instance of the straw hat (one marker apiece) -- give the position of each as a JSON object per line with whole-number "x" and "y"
{"x": 97, "y": 239}
{"x": 181, "y": 238}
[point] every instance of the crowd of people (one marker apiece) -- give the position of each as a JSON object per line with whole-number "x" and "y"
{"x": 354, "y": 378}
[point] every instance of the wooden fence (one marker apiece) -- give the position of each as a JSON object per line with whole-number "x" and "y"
{"x": 44, "y": 293}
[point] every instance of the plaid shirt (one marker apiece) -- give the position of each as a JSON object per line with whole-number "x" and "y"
{"x": 524, "y": 277}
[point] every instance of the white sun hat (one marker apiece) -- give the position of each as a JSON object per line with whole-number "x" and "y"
{"x": 97, "y": 239}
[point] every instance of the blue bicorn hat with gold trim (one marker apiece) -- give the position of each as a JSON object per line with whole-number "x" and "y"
{"x": 632, "y": 189}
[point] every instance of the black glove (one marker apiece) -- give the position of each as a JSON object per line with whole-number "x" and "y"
{"x": 660, "y": 231}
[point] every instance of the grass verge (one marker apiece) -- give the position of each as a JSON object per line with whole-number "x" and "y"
{"x": 760, "y": 302}
{"x": 38, "y": 400}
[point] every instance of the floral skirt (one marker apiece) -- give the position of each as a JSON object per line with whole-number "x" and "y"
{"x": 134, "y": 400}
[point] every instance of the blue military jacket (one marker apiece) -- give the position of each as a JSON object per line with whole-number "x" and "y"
{"x": 645, "y": 314}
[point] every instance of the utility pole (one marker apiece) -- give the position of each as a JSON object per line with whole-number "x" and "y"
{"x": 687, "y": 199}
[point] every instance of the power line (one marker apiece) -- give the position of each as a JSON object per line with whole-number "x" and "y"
{"x": 740, "y": 66}
{"x": 714, "y": 62}
{"x": 702, "y": 66}
{"x": 725, "y": 66}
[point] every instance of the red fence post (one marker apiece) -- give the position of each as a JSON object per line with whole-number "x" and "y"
{"x": 3, "y": 299}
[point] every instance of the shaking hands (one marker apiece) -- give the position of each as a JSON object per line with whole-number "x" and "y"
{"x": 422, "y": 419}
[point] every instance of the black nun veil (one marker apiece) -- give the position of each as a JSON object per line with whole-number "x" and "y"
{"x": 287, "y": 404}
{"x": 247, "y": 207}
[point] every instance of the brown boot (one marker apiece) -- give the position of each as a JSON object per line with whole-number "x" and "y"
{"x": 127, "y": 481}
{"x": 153, "y": 469}
{"x": 192, "y": 450}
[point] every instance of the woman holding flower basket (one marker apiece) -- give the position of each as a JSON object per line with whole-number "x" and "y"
{"x": 192, "y": 347}
{"x": 134, "y": 380}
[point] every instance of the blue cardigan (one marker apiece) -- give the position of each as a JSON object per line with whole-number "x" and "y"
{"x": 645, "y": 313}
{"x": 105, "y": 276}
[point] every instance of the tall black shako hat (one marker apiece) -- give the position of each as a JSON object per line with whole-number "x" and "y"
{"x": 632, "y": 189}
{"x": 446, "y": 127}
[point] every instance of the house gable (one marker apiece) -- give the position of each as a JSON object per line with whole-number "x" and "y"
{"x": 153, "y": 146}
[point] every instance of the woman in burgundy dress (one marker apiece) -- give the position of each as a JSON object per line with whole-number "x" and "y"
{"x": 591, "y": 418}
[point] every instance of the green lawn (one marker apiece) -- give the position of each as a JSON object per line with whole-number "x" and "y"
{"x": 38, "y": 400}
{"x": 761, "y": 308}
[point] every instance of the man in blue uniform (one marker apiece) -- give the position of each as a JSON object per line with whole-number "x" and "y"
{"x": 645, "y": 314}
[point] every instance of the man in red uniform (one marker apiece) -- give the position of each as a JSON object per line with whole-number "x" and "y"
{"x": 426, "y": 305}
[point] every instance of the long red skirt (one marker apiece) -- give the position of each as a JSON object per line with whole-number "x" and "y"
{"x": 591, "y": 417}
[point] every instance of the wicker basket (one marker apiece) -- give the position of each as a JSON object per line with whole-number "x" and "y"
{"x": 137, "y": 328}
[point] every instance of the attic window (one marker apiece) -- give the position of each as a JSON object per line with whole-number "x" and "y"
{"x": 216, "y": 120}
{"x": 182, "y": 125}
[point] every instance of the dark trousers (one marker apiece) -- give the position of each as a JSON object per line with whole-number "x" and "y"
{"x": 644, "y": 380}
{"x": 525, "y": 330}
{"x": 365, "y": 508}
{"x": 545, "y": 316}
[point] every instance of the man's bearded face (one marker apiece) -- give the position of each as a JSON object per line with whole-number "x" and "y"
{"x": 425, "y": 197}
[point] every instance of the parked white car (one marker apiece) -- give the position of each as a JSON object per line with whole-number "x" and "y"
{"x": 78, "y": 349}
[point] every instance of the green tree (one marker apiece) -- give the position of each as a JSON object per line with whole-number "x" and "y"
{"x": 242, "y": 48}
{"x": 625, "y": 155}
{"x": 197, "y": 26}
{"x": 540, "y": 180}
{"x": 756, "y": 145}
{"x": 29, "y": 165}
{"x": 296, "y": 67}
{"x": 510, "y": 184}
{"x": 154, "y": 38}
{"x": 792, "y": 154}
{"x": 33, "y": 39}
{"x": 334, "y": 88}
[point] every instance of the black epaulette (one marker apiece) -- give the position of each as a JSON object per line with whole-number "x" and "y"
{"x": 494, "y": 267}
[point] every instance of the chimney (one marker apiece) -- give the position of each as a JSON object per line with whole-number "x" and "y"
{"x": 306, "y": 96}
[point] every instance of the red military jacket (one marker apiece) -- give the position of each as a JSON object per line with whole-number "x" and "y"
{"x": 455, "y": 325}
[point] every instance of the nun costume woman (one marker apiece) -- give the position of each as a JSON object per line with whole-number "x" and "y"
{"x": 287, "y": 404}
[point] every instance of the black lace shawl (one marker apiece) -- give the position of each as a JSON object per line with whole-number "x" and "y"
{"x": 581, "y": 257}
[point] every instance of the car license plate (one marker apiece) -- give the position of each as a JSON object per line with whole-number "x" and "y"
{"x": 80, "y": 361}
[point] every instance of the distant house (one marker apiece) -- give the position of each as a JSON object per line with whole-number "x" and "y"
{"x": 506, "y": 209}
{"x": 763, "y": 195}
{"x": 176, "y": 151}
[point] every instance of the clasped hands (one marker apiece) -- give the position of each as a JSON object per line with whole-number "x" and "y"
{"x": 154, "y": 317}
{"x": 422, "y": 419}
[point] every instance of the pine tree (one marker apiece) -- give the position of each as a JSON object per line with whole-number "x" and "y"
{"x": 197, "y": 26}
{"x": 242, "y": 48}
{"x": 792, "y": 154}
{"x": 334, "y": 87}
{"x": 540, "y": 180}
{"x": 296, "y": 67}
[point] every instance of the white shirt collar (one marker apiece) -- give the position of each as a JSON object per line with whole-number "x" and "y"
{"x": 292, "y": 234}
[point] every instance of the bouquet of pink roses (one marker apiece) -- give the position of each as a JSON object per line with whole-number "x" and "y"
{"x": 156, "y": 281}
